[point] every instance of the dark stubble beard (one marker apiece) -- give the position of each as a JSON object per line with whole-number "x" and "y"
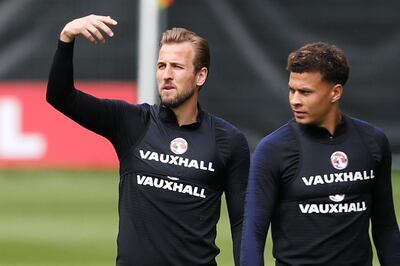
{"x": 178, "y": 100}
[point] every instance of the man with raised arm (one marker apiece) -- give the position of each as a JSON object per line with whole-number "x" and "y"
{"x": 176, "y": 160}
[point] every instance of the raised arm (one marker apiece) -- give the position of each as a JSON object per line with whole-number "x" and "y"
{"x": 92, "y": 113}
{"x": 122, "y": 123}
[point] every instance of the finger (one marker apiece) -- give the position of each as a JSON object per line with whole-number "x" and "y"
{"x": 105, "y": 19}
{"x": 86, "y": 33}
{"x": 95, "y": 32}
{"x": 104, "y": 28}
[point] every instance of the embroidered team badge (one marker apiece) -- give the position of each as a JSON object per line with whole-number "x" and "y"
{"x": 178, "y": 146}
{"x": 339, "y": 160}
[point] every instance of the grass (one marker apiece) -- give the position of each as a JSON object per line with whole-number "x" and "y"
{"x": 69, "y": 218}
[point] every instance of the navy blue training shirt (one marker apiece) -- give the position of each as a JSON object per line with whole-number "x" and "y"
{"x": 171, "y": 177}
{"x": 319, "y": 192}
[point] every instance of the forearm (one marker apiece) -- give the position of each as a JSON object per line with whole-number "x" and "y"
{"x": 60, "y": 87}
{"x": 235, "y": 202}
{"x": 261, "y": 200}
{"x": 385, "y": 230}
{"x": 387, "y": 244}
{"x": 235, "y": 197}
{"x": 256, "y": 221}
{"x": 235, "y": 188}
{"x": 92, "y": 113}
{"x": 255, "y": 228}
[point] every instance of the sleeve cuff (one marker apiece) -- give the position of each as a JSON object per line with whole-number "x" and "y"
{"x": 65, "y": 45}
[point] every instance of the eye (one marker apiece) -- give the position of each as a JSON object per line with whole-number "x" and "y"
{"x": 160, "y": 66}
{"x": 178, "y": 66}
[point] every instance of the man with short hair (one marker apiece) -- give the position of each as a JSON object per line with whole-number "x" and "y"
{"x": 321, "y": 178}
{"x": 175, "y": 159}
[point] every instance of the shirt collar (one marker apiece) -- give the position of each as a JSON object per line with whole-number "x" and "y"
{"x": 168, "y": 116}
{"x": 322, "y": 133}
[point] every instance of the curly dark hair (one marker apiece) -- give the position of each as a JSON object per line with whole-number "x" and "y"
{"x": 321, "y": 57}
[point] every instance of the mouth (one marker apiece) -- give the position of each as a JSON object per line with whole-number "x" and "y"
{"x": 299, "y": 113}
{"x": 168, "y": 87}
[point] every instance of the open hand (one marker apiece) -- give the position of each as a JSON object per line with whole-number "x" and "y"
{"x": 91, "y": 27}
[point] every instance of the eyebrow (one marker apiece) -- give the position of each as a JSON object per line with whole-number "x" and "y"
{"x": 301, "y": 88}
{"x": 170, "y": 62}
{"x": 305, "y": 89}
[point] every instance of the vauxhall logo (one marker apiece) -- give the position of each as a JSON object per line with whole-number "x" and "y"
{"x": 172, "y": 184}
{"x": 176, "y": 160}
{"x": 332, "y": 208}
{"x": 338, "y": 177}
{"x": 339, "y": 161}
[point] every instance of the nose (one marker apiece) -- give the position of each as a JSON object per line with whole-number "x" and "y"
{"x": 167, "y": 73}
{"x": 294, "y": 98}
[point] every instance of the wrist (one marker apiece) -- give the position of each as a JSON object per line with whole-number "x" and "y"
{"x": 65, "y": 37}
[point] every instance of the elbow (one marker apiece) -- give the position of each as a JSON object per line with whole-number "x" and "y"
{"x": 50, "y": 97}
{"x": 56, "y": 95}
{"x": 54, "y": 98}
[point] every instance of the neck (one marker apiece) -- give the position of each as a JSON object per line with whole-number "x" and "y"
{"x": 332, "y": 121}
{"x": 187, "y": 112}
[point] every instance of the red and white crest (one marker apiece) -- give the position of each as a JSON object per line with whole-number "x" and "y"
{"x": 339, "y": 160}
{"x": 178, "y": 146}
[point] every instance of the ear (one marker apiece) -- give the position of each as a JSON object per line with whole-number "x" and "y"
{"x": 336, "y": 93}
{"x": 201, "y": 76}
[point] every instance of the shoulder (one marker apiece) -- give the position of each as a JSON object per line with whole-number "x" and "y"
{"x": 373, "y": 136}
{"x": 230, "y": 141}
{"x": 279, "y": 139}
{"x": 276, "y": 153}
{"x": 223, "y": 125}
{"x": 367, "y": 127}
{"x": 369, "y": 131}
{"x": 131, "y": 114}
{"x": 143, "y": 109}
{"x": 129, "y": 107}
{"x": 227, "y": 130}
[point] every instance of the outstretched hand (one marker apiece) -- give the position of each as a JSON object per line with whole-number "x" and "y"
{"x": 91, "y": 27}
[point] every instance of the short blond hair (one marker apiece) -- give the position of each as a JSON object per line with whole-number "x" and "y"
{"x": 180, "y": 35}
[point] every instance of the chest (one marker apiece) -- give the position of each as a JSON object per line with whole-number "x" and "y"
{"x": 173, "y": 153}
{"x": 332, "y": 170}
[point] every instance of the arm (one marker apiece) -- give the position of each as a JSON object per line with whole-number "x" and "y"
{"x": 61, "y": 93}
{"x": 261, "y": 198}
{"x": 238, "y": 170}
{"x": 385, "y": 229}
{"x": 120, "y": 122}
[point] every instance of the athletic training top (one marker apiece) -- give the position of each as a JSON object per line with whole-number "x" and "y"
{"x": 171, "y": 177}
{"x": 319, "y": 192}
